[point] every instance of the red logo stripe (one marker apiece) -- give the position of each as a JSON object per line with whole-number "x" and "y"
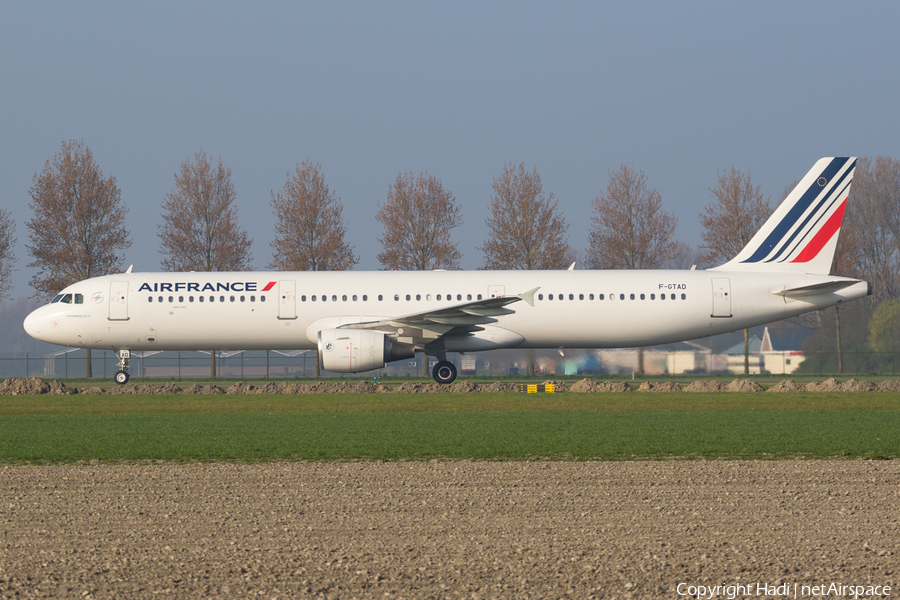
{"x": 823, "y": 236}
{"x": 269, "y": 286}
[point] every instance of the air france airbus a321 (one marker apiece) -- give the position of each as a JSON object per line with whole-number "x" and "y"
{"x": 359, "y": 321}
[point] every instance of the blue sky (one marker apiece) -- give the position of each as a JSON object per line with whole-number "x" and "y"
{"x": 679, "y": 90}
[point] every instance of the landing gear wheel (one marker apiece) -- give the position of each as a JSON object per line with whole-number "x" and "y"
{"x": 444, "y": 372}
{"x": 121, "y": 377}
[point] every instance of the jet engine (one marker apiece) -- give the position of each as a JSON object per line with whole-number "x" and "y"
{"x": 357, "y": 350}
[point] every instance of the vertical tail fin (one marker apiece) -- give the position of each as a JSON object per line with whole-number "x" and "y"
{"x": 802, "y": 233}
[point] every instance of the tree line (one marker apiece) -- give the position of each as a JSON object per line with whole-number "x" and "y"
{"x": 78, "y": 226}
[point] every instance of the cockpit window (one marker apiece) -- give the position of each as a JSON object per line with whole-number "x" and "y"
{"x": 79, "y": 299}
{"x": 67, "y": 299}
{"x": 57, "y": 299}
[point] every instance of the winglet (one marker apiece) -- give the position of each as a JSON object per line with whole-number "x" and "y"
{"x": 529, "y": 296}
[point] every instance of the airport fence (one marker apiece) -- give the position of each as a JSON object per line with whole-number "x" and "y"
{"x": 301, "y": 364}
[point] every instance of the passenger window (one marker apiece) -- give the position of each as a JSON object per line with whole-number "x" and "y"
{"x": 479, "y": 296}
{"x": 242, "y": 298}
{"x": 221, "y": 298}
{"x": 459, "y": 296}
{"x": 428, "y": 297}
{"x": 252, "y": 298}
{"x": 571, "y": 296}
{"x": 438, "y": 297}
{"x": 396, "y": 297}
{"x": 365, "y": 298}
{"x": 549, "y": 296}
{"x": 231, "y": 298}
{"x": 590, "y": 296}
{"x": 79, "y": 299}
{"x": 468, "y": 296}
{"x": 642, "y": 297}
{"x": 632, "y": 296}
{"x": 408, "y": 297}
{"x": 418, "y": 297}
{"x": 540, "y": 296}
{"x": 333, "y": 298}
{"x": 581, "y": 296}
{"x": 262, "y": 298}
{"x": 212, "y": 298}
{"x": 181, "y": 299}
{"x": 380, "y": 298}
{"x": 672, "y": 297}
{"x": 653, "y": 296}
{"x": 662, "y": 296}
{"x": 302, "y": 298}
{"x": 621, "y": 296}
{"x": 683, "y": 297}
{"x": 354, "y": 297}
{"x": 601, "y": 296}
{"x": 149, "y": 298}
{"x": 201, "y": 298}
{"x": 160, "y": 299}
{"x": 171, "y": 299}
{"x": 191, "y": 298}
{"x": 314, "y": 298}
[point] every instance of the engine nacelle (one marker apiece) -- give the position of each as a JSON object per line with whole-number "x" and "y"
{"x": 357, "y": 350}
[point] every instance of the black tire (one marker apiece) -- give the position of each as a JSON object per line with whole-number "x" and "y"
{"x": 121, "y": 377}
{"x": 444, "y": 372}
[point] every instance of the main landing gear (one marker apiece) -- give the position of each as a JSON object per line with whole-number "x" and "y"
{"x": 121, "y": 375}
{"x": 444, "y": 372}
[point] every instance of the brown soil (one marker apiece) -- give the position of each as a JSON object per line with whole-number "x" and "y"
{"x": 702, "y": 385}
{"x": 744, "y": 385}
{"x": 444, "y": 529}
{"x": 788, "y": 385}
{"x": 665, "y": 386}
{"x": 34, "y": 385}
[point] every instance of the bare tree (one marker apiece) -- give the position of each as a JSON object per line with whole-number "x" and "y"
{"x": 78, "y": 229}
{"x": 417, "y": 218}
{"x": 200, "y": 230}
{"x": 7, "y": 255}
{"x": 309, "y": 227}
{"x": 630, "y": 229}
{"x": 737, "y": 212}
{"x": 526, "y": 229}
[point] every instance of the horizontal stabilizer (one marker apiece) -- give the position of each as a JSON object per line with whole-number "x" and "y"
{"x": 829, "y": 287}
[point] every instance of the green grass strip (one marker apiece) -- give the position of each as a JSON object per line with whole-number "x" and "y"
{"x": 425, "y": 435}
{"x": 446, "y": 402}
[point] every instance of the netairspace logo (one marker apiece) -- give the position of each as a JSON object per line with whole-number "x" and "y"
{"x": 784, "y": 590}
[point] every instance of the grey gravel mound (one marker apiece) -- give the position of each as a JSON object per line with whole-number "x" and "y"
{"x": 241, "y": 387}
{"x": 702, "y": 385}
{"x": 787, "y": 385}
{"x": 889, "y": 385}
{"x": 744, "y": 385}
{"x": 590, "y": 386}
{"x": 34, "y": 385}
{"x": 451, "y": 529}
{"x": 664, "y": 386}
{"x": 829, "y": 385}
{"x": 203, "y": 389}
{"x": 855, "y": 385}
{"x": 498, "y": 386}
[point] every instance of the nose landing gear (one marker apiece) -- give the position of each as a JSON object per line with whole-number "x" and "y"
{"x": 121, "y": 376}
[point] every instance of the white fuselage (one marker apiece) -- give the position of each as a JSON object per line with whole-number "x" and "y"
{"x": 286, "y": 310}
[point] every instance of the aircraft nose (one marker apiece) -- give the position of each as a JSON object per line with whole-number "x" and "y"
{"x": 32, "y": 325}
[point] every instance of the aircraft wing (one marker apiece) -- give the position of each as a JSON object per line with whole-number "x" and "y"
{"x": 435, "y": 323}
